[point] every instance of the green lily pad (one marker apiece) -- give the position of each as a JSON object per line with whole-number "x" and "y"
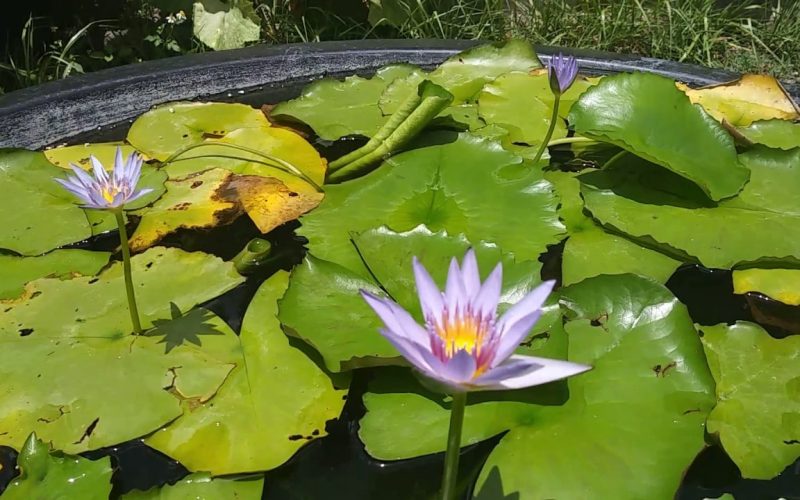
{"x": 774, "y": 181}
{"x": 335, "y": 108}
{"x": 97, "y": 306}
{"x": 780, "y": 284}
{"x": 257, "y": 421}
{"x": 51, "y": 385}
{"x": 55, "y": 476}
{"x": 329, "y": 289}
{"x": 782, "y": 134}
{"x": 622, "y": 109}
{"x": 594, "y": 252}
{"x": 634, "y": 423}
{"x": 15, "y": 272}
{"x": 223, "y": 26}
{"x": 757, "y": 417}
{"x": 201, "y": 486}
{"x": 470, "y": 186}
{"x": 648, "y": 203}
{"x": 37, "y": 214}
{"x": 500, "y": 103}
{"x": 166, "y": 129}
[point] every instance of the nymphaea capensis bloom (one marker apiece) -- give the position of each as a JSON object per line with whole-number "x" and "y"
{"x": 562, "y": 71}
{"x": 104, "y": 191}
{"x": 463, "y": 344}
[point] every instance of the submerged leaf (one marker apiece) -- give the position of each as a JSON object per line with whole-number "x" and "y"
{"x": 201, "y": 486}
{"x": 757, "y": 417}
{"x": 257, "y": 421}
{"x": 51, "y": 475}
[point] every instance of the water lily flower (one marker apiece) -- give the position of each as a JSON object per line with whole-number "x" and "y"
{"x": 562, "y": 71}
{"x": 463, "y": 344}
{"x": 102, "y": 191}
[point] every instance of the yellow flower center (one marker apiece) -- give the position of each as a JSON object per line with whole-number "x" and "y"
{"x": 109, "y": 193}
{"x": 462, "y": 333}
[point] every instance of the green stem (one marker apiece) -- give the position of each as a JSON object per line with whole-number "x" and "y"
{"x": 615, "y": 158}
{"x": 126, "y": 269}
{"x": 570, "y": 140}
{"x": 546, "y": 140}
{"x": 450, "y": 477}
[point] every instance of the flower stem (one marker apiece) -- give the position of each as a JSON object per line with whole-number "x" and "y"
{"x": 553, "y": 121}
{"x": 126, "y": 268}
{"x": 453, "y": 446}
{"x": 570, "y": 140}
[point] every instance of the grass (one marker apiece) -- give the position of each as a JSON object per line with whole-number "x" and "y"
{"x": 745, "y": 36}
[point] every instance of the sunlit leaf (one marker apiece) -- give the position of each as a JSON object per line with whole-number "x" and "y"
{"x": 223, "y": 26}
{"x": 201, "y": 486}
{"x": 757, "y": 417}
{"x": 780, "y": 284}
{"x": 15, "y": 272}
{"x": 257, "y": 421}
{"x": 781, "y": 134}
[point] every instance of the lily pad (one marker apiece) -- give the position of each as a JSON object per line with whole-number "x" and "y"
{"x": 773, "y": 133}
{"x": 757, "y": 417}
{"x": 780, "y": 284}
{"x": 646, "y": 204}
{"x": 97, "y": 306}
{"x": 164, "y": 130}
{"x": 15, "y": 272}
{"x": 634, "y": 423}
{"x": 51, "y": 385}
{"x": 470, "y": 186}
{"x": 37, "y": 215}
{"x": 330, "y": 289}
{"x": 201, "y": 486}
{"x": 257, "y": 421}
{"x": 746, "y": 100}
{"x": 55, "y": 476}
{"x": 335, "y": 108}
{"x": 774, "y": 181}
{"x": 500, "y": 103}
{"x": 223, "y": 26}
{"x": 622, "y": 109}
{"x": 595, "y": 252}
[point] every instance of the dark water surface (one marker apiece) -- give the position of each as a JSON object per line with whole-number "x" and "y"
{"x": 336, "y": 466}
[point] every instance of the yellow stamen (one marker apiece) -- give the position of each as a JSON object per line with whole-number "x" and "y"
{"x": 464, "y": 333}
{"x": 109, "y": 193}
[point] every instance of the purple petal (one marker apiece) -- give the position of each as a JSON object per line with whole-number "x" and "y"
{"x": 526, "y": 371}
{"x": 459, "y": 369}
{"x": 120, "y": 170}
{"x": 418, "y": 355}
{"x": 396, "y": 318}
{"x": 99, "y": 172}
{"x": 485, "y": 302}
{"x": 510, "y": 340}
{"x": 84, "y": 178}
{"x": 138, "y": 194}
{"x": 529, "y": 304}
{"x": 74, "y": 188}
{"x": 454, "y": 293}
{"x": 469, "y": 273}
{"x": 430, "y": 298}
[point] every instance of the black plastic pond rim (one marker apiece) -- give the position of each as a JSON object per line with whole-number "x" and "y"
{"x": 47, "y": 114}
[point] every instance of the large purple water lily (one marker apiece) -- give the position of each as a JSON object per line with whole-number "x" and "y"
{"x": 463, "y": 344}
{"x": 103, "y": 191}
{"x": 562, "y": 71}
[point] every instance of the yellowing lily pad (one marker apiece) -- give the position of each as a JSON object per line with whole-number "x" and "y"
{"x": 105, "y": 152}
{"x": 276, "y": 401}
{"x": 97, "y": 306}
{"x": 780, "y": 284}
{"x": 743, "y": 101}
{"x": 97, "y": 390}
{"x": 270, "y": 203}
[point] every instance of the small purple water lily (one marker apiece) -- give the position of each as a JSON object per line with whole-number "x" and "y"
{"x": 463, "y": 344}
{"x": 562, "y": 71}
{"x": 103, "y": 191}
